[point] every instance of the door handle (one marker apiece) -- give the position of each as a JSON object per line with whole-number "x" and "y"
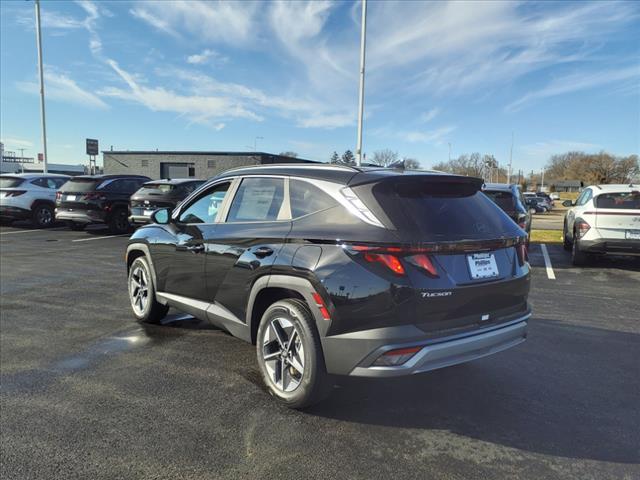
{"x": 262, "y": 252}
{"x": 195, "y": 248}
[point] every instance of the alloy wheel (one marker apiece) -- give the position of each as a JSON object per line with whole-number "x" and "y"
{"x": 283, "y": 354}
{"x": 139, "y": 289}
{"x": 44, "y": 216}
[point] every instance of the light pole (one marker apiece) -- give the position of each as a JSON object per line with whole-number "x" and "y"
{"x": 363, "y": 34}
{"x": 42, "y": 114}
{"x": 22, "y": 158}
{"x": 510, "y": 160}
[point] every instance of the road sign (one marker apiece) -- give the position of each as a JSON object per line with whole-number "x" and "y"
{"x": 92, "y": 146}
{"x": 40, "y": 157}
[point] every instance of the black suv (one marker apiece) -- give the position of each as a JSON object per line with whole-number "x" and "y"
{"x": 159, "y": 194}
{"x": 97, "y": 199}
{"x": 510, "y": 199}
{"x": 338, "y": 270}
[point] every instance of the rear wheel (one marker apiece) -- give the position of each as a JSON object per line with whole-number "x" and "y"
{"x": 290, "y": 354}
{"x": 119, "y": 222}
{"x": 142, "y": 294}
{"x": 578, "y": 257}
{"x": 75, "y": 226}
{"x": 42, "y": 215}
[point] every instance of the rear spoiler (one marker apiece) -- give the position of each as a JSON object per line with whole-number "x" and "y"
{"x": 436, "y": 184}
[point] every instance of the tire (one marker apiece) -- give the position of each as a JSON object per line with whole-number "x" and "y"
{"x": 566, "y": 244}
{"x": 75, "y": 226}
{"x": 42, "y": 215}
{"x": 303, "y": 381}
{"x": 142, "y": 294}
{"x": 119, "y": 222}
{"x": 578, "y": 258}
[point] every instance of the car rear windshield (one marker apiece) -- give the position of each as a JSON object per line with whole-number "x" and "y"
{"x": 621, "y": 200}
{"x": 157, "y": 188}
{"x": 10, "y": 182}
{"x": 503, "y": 199}
{"x": 81, "y": 185}
{"x": 426, "y": 212}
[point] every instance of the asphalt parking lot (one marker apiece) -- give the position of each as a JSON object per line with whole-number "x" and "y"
{"x": 85, "y": 392}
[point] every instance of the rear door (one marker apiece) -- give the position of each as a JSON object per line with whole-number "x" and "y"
{"x": 618, "y": 215}
{"x": 463, "y": 255}
{"x": 247, "y": 242}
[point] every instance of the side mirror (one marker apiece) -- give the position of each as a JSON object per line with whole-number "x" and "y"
{"x": 161, "y": 216}
{"x": 567, "y": 203}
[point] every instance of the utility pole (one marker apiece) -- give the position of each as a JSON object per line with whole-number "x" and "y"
{"x": 510, "y": 160}
{"x": 363, "y": 34}
{"x": 542, "y": 180}
{"x": 42, "y": 115}
{"x": 22, "y": 158}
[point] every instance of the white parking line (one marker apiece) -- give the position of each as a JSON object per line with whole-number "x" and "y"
{"x": 99, "y": 238}
{"x": 44, "y": 230}
{"x": 547, "y": 262}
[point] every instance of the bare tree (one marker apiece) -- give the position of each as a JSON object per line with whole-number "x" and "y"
{"x": 411, "y": 163}
{"x": 289, "y": 154}
{"x": 384, "y": 157}
{"x": 592, "y": 168}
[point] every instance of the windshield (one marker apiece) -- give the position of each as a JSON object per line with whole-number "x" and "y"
{"x": 81, "y": 185}
{"x": 10, "y": 182}
{"x": 444, "y": 212}
{"x": 620, "y": 200}
{"x": 503, "y": 199}
{"x": 157, "y": 188}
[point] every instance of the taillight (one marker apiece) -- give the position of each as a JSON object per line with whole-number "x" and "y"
{"x": 390, "y": 261}
{"x": 321, "y": 305}
{"x": 582, "y": 228}
{"x": 423, "y": 262}
{"x": 396, "y": 357}
{"x": 58, "y": 196}
{"x": 14, "y": 193}
{"x": 523, "y": 254}
{"x": 393, "y": 257}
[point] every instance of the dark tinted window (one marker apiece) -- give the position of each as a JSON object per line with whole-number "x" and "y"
{"x": 81, "y": 185}
{"x": 306, "y": 198}
{"x": 623, "y": 200}
{"x": 206, "y": 207}
{"x": 257, "y": 200}
{"x": 53, "y": 183}
{"x": 157, "y": 188}
{"x": 58, "y": 182}
{"x": 503, "y": 199}
{"x": 443, "y": 212}
{"x": 40, "y": 182}
{"x": 10, "y": 182}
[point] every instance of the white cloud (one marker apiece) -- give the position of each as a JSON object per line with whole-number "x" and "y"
{"x": 577, "y": 82}
{"x": 543, "y": 150}
{"x": 202, "y": 57}
{"x": 429, "y": 136}
{"x": 59, "y": 86}
{"x": 231, "y": 22}
{"x": 198, "y": 108}
{"x": 429, "y": 115}
{"x": 155, "y": 22}
{"x": 12, "y": 142}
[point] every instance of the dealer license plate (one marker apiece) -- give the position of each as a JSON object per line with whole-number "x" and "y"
{"x": 482, "y": 265}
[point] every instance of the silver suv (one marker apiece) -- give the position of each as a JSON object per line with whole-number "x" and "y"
{"x": 29, "y": 196}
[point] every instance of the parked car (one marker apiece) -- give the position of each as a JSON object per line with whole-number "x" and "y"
{"x": 159, "y": 194}
{"x": 337, "y": 270}
{"x": 510, "y": 199}
{"x": 548, "y": 198}
{"x": 29, "y": 196}
{"x": 103, "y": 199}
{"x": 604, "y": 219}
{"x": 535, "y": 205}
{"x": 554, "y": 196}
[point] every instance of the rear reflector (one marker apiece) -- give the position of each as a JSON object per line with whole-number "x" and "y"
{"x": 396, "y": 357}
{"x": 321, "y": 305}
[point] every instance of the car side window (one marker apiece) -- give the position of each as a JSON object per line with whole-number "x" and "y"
{"x": 258, "y": 200}
{"x": 205, "y": 208}
{"x": 306, "y": 198}
{"x": 40, "y": 182}
{"x": 584, "y": 197}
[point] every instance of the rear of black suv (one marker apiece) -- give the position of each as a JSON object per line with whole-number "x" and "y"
{"x": 159, "y": 194}
{"x": 102, "y": 199}
{"x": 339, "y": 271}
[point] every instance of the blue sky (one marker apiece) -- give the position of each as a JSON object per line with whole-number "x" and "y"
{"x": 216, "y": 75}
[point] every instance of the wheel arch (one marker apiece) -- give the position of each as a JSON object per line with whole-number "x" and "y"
{"x": 136, "y": 250}
{"x": 272, "y": 288}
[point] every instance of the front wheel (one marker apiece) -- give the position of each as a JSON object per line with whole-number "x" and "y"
{"x": 290, "y": 354}
{"x": 119, "y": 222}
{"x": 142, "y": 294}
{"x": 42, "y": 216}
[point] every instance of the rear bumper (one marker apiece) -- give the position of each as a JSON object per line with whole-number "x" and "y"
{"x": 81, "y": 216}
{"x": 14, "y": 213}
{"x": 354, "y": 353}
{"x": 614, "y": 246}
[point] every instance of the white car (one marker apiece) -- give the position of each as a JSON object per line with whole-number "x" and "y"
{"x": 29, "y": 196}
{"x": 605, "y": 219}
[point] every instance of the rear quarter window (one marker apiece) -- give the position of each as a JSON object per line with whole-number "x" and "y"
{"x": 504, "y": 200}
{"x": 306, "y": 198}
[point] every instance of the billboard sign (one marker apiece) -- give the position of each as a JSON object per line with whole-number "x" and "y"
{"x": 92, "y": 146}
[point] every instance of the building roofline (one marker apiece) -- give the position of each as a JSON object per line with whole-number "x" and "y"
{"x": 196, "y": 152}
